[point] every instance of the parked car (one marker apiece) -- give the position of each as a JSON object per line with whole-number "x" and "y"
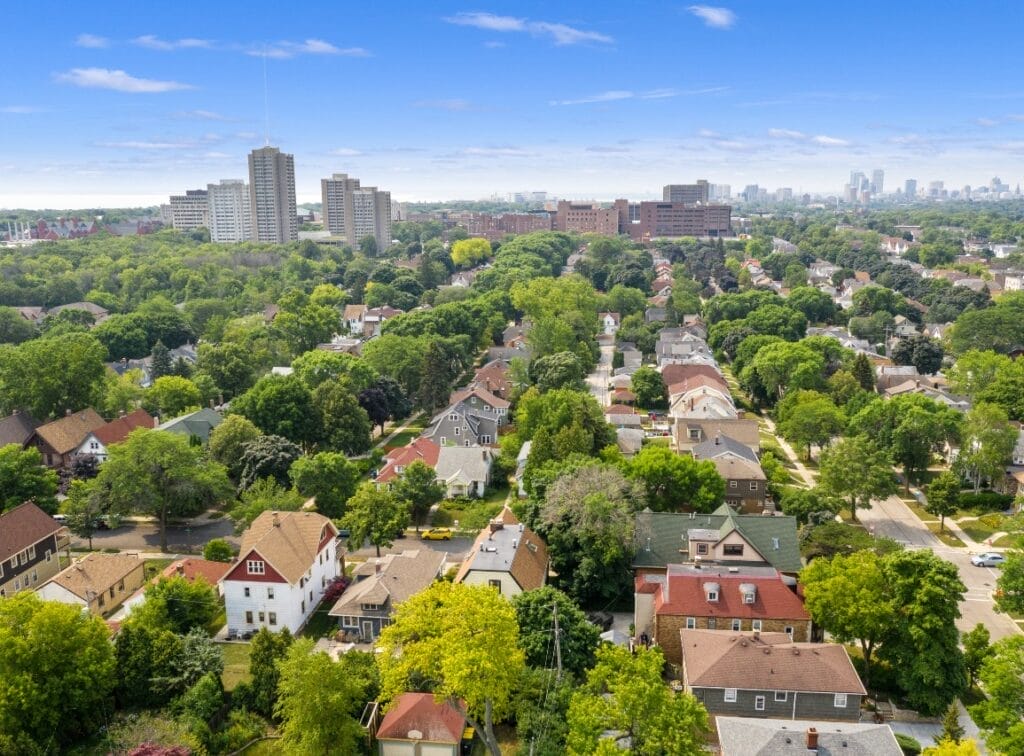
{"x": 437, "y": 534}
{"x": 60, "y": 517}
{"x": 602, "y": 619}
{"x": 988, "y": 559}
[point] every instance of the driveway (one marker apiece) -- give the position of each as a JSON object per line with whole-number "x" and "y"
{"x": 893, "y": 519}
{"x": 597, "y": 382}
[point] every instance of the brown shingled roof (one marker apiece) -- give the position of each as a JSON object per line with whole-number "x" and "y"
{"x": 68, "y": 432}
{"x": 766, "y": 661}
{"x": 95, "y": 573}
{"x": 288, "y": 540}
{"x": 23, "y": 526}
{"x": 420, "y": 713}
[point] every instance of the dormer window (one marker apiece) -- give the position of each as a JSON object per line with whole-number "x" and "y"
{"x": 711, "y": 591}
{"x": 748, "y": 598}
{"x": 712, "y": 595}
{"x": 255, "y": 567}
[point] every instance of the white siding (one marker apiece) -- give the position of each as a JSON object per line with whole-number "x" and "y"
{"x": 509, "y": 587}
{"x": 54, "y": 592}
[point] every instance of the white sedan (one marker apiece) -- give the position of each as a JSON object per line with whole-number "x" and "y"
{"x": 988, "y": 559}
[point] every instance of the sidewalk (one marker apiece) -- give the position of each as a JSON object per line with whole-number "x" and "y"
{"x": 805, "y": 474}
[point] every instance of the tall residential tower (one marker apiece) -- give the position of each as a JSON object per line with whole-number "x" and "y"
{"x": 230, "y": 211}
{"x": 355, "y": 212}
{"x": 272, "y": 196}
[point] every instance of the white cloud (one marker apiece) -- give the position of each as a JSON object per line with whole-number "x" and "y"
{"x": 716, "y": 18}
{"x": 284, "y": 50}
{"x": 152, "y": 42}
{"x": 610, "y": 96}
{"x": 91, "y": 40}
{"x": 708, "y": 134}
{"x": 827, "y": 141}
{"x": 495, "y": 152}
{"x": 786, "y": 134}
{"x": 560, "y": 34}
{"x": 658, "y": 94}
{"x": 986, "y": 122}
{"x": 345, "y": 152}
{"x": 21, "y": 109}
{"x": 454, "y": 105}
{"x": 202, "y": 115}
{"x": 106, "y": 78}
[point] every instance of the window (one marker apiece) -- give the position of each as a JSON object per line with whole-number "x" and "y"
{"x": 733, "y": 549}
{"x": 691, "y": 623}
{"x": 702, "y": 548}
{"x": 23, "y": 557}
{"x": 753, "y": 485}
{"x": 755, "y": 625}
{"x": 501, "y": 410}
{"x": 35, "y": 576}
{"x": 3, "y": 592}
{"x": 468, "y": 443}
{"x": 712, "y": 623}
{"x": 758, "y": 703}
{"x": 120, "y": 586}
{"x": 262, "y": 617}
{"x": 748, "y": 598}
{"x": 303, "y": 609}
{"x": 248, "y": 618}
{"x": 458, "y": 431}
{"x": 349, "y": 622}
{"x": 485, "y": 439}
{"x": 14, "y": 563}
{"x": 49, "y": 555}
{"x": 781, "y": 696}
{"x": 270, "y": 592}
{"x": 730, "y": 695}
{"x": 453, "y": 416}
{"x": 255, "y": 567}
{"x": 789, "y": 631}
{"x": 443, "y": 440}
{"x": 712, "y": 595}
{"x": 17, "y": 584}
{"x": 495, "y": 584}
{"x": 102, "y": 602}
{"x": 840, "y": 701}
{"x": 695, "y": 434}
{"x": 246, "y": 591}
{"x": 732, "y": 484}
{"x": 311, "y": 597}
{"x": 31, "y": 552}
{"x": 273, "y": 618}
{"x": 737, "y": 625}
{"x": 111, "y": 591}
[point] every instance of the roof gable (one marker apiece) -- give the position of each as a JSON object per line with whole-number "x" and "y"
{"x": 23, "y": 526}
{"x": 289, "y": 541}
{"x": 117, "y": 430}
{"x": 68, "y": 432}
{"x": 418, "y": 716}
{"x": 95, "y": 573}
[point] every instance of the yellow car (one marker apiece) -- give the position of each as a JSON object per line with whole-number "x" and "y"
{"x": 437, "y": 534}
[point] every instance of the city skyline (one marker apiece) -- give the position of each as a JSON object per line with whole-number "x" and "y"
{"x": 454, "y": 101}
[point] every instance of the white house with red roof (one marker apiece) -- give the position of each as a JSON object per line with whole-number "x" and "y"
{"x": 284, "y": 565}
{"x": 98, "y": 441}
{"x": 422, "y": 449}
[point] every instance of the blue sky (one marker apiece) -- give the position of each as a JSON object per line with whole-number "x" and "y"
{"x": 111, "y": 103}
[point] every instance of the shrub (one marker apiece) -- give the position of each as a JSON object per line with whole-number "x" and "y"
{"x": 910, "y": 746}
{"x": 986, "y": 501}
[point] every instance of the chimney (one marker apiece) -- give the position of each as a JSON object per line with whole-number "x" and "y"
{"x": 496, "y": 525}
{"x": 276, "y": 521}
{"x": 376, "y": 567}
{"x": 812, "y": 739}
{"x": 718, "y": 438}
{"x": 67, "y": 412}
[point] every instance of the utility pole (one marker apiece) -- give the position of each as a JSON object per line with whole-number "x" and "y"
{"x": 558, "y": 645}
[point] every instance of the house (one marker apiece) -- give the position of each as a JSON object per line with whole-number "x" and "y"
{"x": 464, "y": 470}
{"x": 741, "y": 736}
{"x": 609, "y": 322}
{"x": 191, "y": 569}
{"x": 29, "y": 542}
{"x": 701, "y": 396}
{"x": 97, "y": 442}
{"x": 33, "y": 315}
{"x": 99, "y": 314}
{"x": 507, "y": 556}
{"x": 352, "y": 318}
{"x": 494, "y": 378}
{"x": 623, "y": 396}
{"x": 631, "y": 356}
{"x": 144, "y": 366}
{"x": 746, "y": 487}
{"x": 723, "y": 598}
{"x": 58, "y": 441}
{"x": 691, "y": 431}
{"x": 629, "y": 441}
{"x": 472, "y": 418}
{"x": 655, "y": 315}
{"x": 381, "y": 585}
{"x": 284, "y": 564}
{"x": 196, "y": 425}
{"x": 515, "y": 334}
{"x": 97, "y": 582}
{"x": 620, "y": 382}
{"x": 416, "y": 723}
{"x": 683, "y": 374}
{"x": 769, "y": 675}
{"x": 622, "y": 416}
{"x": 375, "y": 317}
{"x": 903, "y": 327}
{"x": 421, "y": 449}
{"x": 17, "y": 428}
{"x": 723, "y": 538}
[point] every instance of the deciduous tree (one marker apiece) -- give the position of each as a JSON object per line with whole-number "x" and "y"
{"x": 999, "y": 716}
{"x": 674, "y": 482}
{"x": 328, "y": 477}
{"x": 578, "y": 637}
{"x": 24, "y": 478}
{"x": 943, "y": 496}
{"x": 856, "y": 470}
{"x": 419, "y": 487}
{"x": 375, "y": 514}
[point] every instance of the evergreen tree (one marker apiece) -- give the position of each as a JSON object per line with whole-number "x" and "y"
{"x": 161, "y": 364}
{"x": 952, "y": 730}
{"x": 864, "y": 373}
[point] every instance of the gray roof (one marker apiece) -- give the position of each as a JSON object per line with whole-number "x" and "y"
{"x": 497, "y": 550}
{"x": 661, "y": 535}
{"x": 16, "y": 428}
{"x": 471, "y": 463}
{"x": 198, "y": 423}
{"x": 716, "y": 447}
{"x": 742, "y": 736}
{"x": 401, "y": 576}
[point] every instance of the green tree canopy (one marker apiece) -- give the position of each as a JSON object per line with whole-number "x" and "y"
{"x": 23, "y": 478}
{"x": 328, "y": 477}
{"x": 999, "y": 716}
{"x": 376, "y": 515}
{"x": 579, "y": 637}
{"x": 419, "y": 487}
{"x": 856, "y": 470}
{"x": 674, "y": 482}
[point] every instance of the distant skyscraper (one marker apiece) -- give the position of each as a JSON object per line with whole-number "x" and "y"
{"x": 189, "y": 210}
{"x": 355, "y": 211}
{"x": 910, "y": 189}
{"x": 877, "y": 181}
{"x": 230, "y": 211}
{"x": 272, "y": 196}
{"x": 689, "y": 193}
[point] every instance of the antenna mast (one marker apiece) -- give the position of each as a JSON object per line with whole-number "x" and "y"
{"x": 266, "y": 101}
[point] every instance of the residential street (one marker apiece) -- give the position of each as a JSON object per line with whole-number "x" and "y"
{"x": 145, "y": 536}
{"x": 597, "y": 382}
{"x": 893, "y": 519}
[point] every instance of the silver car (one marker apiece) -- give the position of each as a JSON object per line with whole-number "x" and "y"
{"x": 988, "y": 559}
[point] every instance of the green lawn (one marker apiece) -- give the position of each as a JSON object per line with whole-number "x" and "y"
{"x": 403, "y": 438}
{"x": 946, "y": 537}
{"x": 154, "y": 567}
{"x": 472, "y": 515}
{"x": 321, "y": 624}
{"x": 236, "y": 664}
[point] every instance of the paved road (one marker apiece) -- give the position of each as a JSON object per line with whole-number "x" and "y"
{"x": 893, "y": 519}
{"x": 597, "y": 382}
{"x": 145, "y": 536}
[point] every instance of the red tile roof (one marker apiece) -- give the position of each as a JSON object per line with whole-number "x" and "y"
{"x": 686, "y": 597}
{"x": 422, "y": 449}
{"x": 191, "y": 569}
{"x": 419, "y": 712}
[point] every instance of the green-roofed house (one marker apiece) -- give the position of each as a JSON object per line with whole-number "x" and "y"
{"x": 196, "y": 425}
{"x": 722, "y": 538}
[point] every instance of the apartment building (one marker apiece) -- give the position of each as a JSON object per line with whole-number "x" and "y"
{"x": 190, "y": 210}
{"x": 588, "y": 218}
{"x": 355, "y": 212}
{"x": 688, "y": 193}
{"x": 674, "y": 219}
{"x": 272, "y": 196}
{"x": 230, "y": 211}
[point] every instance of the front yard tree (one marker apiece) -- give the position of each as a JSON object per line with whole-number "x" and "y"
{"x": 160, "y": 474}
{"x": 999, "y": 716}
{"x": 446, "y": 637}
{"x": 649, "y": 388}
{"x": 82, "y": 508}
{"x": 267, "y": 457}
{"x": 328, "y": 477}
{"x": 987, "y": 445}
{"x": 178, "y": 605}
{"x": 977, "y": 649}
{"x": 559, "y": 370}
{"x": 579, "y": 637}
{"x": 625, "y": 693}
{"x": 24, "y": 478}
{"x": 1010, "y": 583}
{"x": 846, "y": 596}
{"x": 375, "y": 515}
{"x": 345, "y": 425}
{"x": 674, "y": 481}
{"x": 943, "y": 496}
{"x": 57, "y": 674}
{"x": 856, "y": 470}
{"x": 228, "y": 440}
{"x": 813, "y": 422}
{"x": 218, "y": 550}
{"x": 419, "y": 487}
